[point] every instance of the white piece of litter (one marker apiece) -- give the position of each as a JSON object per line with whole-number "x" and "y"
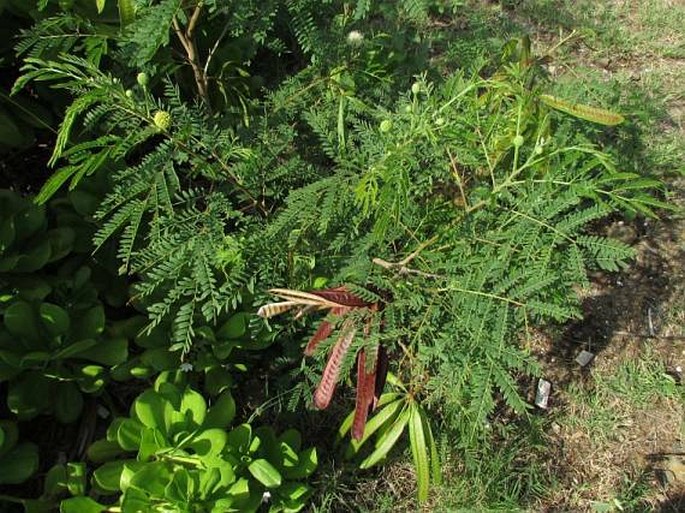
{"x": 542, "y": 394}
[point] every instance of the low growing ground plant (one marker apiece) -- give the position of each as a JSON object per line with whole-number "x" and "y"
{"x": 173, "y": 453}
{"x": 54, "y": 341}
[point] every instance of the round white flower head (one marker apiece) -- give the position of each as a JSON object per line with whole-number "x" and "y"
{"x": 355, "y": 38}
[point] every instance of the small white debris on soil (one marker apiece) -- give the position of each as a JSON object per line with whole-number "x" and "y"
{"x": 542, "y": 394}
{"x": 584, "y": 358}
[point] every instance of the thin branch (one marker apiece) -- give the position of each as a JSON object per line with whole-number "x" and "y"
{"x": 402, "y": 264}
{"x": 418, "y": 250}
{"x": 210, "y": 56}
{"x": 453, "y": 288}
{"x": 190, "y": 31}
{"x": 402, "y": 269}
{"x": 455, "y": 169}
{"x": 187, "y": 39}
{"x": 181, "y": 36}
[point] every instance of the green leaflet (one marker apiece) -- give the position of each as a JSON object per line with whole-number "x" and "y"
{"x": 347, "y": 423}
{"x": 586, "y": 112}
{"x": 384, "y": 417}
{"x": 419, "y": 451}
{"x": 127, "y": 11}
{"x": 388, "y": 440}
{"x": 265, "y": 473}
{"x": 436, "y": 472}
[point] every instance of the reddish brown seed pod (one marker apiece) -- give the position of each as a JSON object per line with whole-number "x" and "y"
{"x": 329, "y": 379}
{"x": 366, "y": 383}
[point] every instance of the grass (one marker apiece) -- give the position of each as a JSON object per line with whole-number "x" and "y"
{"x": 608, "y": 412}
{"x": 508, "y": 473}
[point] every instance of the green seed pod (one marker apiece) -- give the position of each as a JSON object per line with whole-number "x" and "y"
{"x": 143, "y": 79}
{"x": 518, "y": 141}
{"x": 162, "y": 120}
{"x": 386, "y": 126}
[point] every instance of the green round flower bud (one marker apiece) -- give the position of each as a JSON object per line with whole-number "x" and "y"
{"x": 386, "y": 126}
{"x": 440, "y": 121}
{"x": 518, "y": 141}
{"x": 162, "y": 119}
{"x": 142, "y": 79}
{"x": 129, "y": 93}
{"x": 416, "y": 88}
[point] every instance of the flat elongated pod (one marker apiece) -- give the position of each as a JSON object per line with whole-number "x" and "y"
{"x": 271, "y": 309}
{"x": 366, "y": 383}
{"x": 381, "y": 375}
{"x": 323, "y": 332}
{"x": 594, "y": 114}
{"x": 304, "y": 311}
{"x": 341, "y": 296}
{"x": 329, "y": 379}
{"x": 303, "y": 298}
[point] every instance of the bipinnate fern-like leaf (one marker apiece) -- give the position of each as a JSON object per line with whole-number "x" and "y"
{"x": 150, "y": 31}
{"x": 303, "y": 24}
{"x": 55, "y": 183}
{"x": 182, "y": 230}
